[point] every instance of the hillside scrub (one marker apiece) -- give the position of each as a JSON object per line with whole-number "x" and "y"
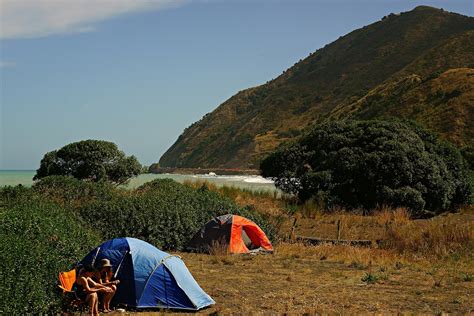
{"x": 363, "y": 164}
{"x": 51, "y": 226}
{"x": 164, "y": 213}
{"x": 38, "y": 239}
{"x": 69, "y": 190}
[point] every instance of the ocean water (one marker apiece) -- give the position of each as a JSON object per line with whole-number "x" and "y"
{"x": 15, "y": 177}
{"x": 257, "y": 183}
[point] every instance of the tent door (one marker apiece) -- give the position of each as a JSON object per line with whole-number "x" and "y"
{"x": 246, "y": 239}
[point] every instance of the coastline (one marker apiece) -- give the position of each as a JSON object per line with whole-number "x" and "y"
{"x": 246, "y": 181}
{"x": 193, "y": 171}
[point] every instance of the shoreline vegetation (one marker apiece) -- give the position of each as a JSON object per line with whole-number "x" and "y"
{"x": 204, "y": 171}
{"x": 25, "y": 178}
{"x": 78, "y": 201}
{"x": 430, "y": 259}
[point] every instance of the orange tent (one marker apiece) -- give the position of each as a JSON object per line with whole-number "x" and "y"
{"x": 238, "y": 233}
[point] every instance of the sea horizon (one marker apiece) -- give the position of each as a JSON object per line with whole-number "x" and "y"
{"x": 17, "y": 169}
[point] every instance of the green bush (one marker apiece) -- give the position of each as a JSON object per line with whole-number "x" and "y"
{"x": 14, "y": 193}
{"x": 362, "y": 164}
{"x": 468, "y": 154}
{"x": 94, "y": 160}
{"x": 162, "y": 212}
{"x": 67, "y": 189}
{"x": 51, "y": 226}
{"x": 37, "y": 240}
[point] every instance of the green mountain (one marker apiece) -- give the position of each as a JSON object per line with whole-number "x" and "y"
{"x": 416, "y": 64}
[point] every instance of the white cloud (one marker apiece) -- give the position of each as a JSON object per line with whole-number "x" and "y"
{"x": 6, "y": 64}
{"x": 37, "y": 18}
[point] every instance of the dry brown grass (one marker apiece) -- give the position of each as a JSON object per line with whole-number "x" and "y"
{"x": 359, "y": 257}
{"x": 393, "y": 228}
{"x": 219, "y": 253}
{"x": 265, "y": 202}
{"x": 219, "y": 248}
{"x": 386, "y": 215}
{"x": 434, "y": 238}
{"x": 299, "y": 279}
{"x": 421, "y": 266}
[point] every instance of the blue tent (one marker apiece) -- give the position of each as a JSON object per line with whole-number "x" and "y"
{"x": 149, "y": 277}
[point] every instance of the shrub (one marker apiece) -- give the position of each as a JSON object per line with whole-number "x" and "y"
{"x": 67, "y": 189}
{"x": 468, "y": 154}
{"x": 362, "y": 164}
{"x": 466, "y": 277}
{"x": 13, "y": 193}
{"x": 37, "y": 240}
{"x": 370, "y": 278}
{"x": 94, "y": 160}
{"x": 164, "y": 213}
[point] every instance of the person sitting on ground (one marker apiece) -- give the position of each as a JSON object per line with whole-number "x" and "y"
{"x": 87, "y": 290}
{"x": 105, "y": 278}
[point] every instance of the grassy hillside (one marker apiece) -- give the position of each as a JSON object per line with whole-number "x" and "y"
{"x": 441, "y": 102}
{"x": 334, "y": 81}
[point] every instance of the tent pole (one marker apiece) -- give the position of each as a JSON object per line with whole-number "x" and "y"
{"x": 120, "y": 264}
{"x": 95, "y": 257}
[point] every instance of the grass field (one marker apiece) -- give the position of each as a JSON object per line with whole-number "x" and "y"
{"x": 412, "y": 266}
{"x": 332, "y": 279}
{"x": 419, "y": 266}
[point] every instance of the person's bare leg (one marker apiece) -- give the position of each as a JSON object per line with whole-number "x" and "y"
{"x": 108, "y": 298}
{"x": 114, "y": 289}
{"x": 91, "y": 301}
{"x": 95, "y": 298}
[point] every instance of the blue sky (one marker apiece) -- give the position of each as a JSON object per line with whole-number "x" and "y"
{"x": 138, "y": 72}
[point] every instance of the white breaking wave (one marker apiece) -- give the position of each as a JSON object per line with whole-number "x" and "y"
{"x": 258, "y": 179}
{"x": 246, "y": 179}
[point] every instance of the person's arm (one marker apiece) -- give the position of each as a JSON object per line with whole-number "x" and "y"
{"x": 111, "y": 282}
{"x": 95, "y": 284}
{"x": 85, "y": 283}
{"x": 107, "y": 280}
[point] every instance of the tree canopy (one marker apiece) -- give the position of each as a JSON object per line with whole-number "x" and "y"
{"x": 93, "y": 160}
{"x": 362, "y": 164}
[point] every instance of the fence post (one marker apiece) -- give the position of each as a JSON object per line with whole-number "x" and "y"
{"x": 292, "y": 231}
{"x": 338, "y": 229}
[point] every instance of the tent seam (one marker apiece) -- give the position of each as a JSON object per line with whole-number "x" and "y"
{"x": 177, "y": 283}
{"x": 162, "y": 262}
{"x": 148, "y": 280}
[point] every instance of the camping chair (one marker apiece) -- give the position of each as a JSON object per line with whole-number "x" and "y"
{"x": 67, "y": 280}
